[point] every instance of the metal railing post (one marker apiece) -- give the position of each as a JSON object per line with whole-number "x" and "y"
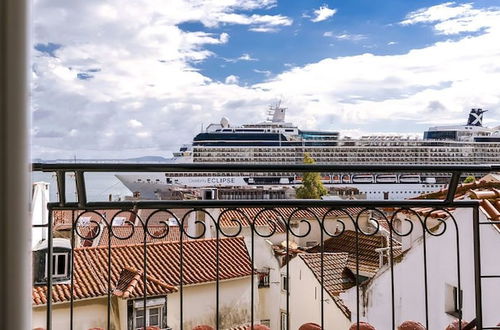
{"x": 477, "y": 267}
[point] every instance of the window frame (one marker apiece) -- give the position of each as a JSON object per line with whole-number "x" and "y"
{"x": 55, "y": 263}
{"x": 283, "y": 320}
{"x": 453, "y": 299}
{"x": 146, "y": 317}
{"x": 284, "y": 283}
{"x": 266, "y": 322}
{"x": 264, "y": 278}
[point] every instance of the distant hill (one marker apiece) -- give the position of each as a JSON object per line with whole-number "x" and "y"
{"x": 144, "y": 159}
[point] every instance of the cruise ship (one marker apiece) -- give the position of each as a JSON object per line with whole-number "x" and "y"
{"x": 276, "y": 141}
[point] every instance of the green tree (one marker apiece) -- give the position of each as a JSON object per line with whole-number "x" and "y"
{"x": 469, "y": 179}
{"x": 312, "y": 187}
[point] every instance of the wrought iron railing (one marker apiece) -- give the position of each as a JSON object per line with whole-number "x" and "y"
{"x": 279, "y": 215}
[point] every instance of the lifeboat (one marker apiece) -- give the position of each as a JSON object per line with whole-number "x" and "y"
{"x": 362, "y": 178}
{"x": 336, "y": 178}
{"x": 387, "y": 178}
{"x": 346, "y": 178}
{"x": 409, "y": 178}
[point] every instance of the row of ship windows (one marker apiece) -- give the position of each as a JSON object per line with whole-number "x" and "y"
{"x": 400, "y": 192}
{"x": 337, "y": 160}
{"x": 357, "y": 155}
{"x": 340, "y": 149}
{"x": 344, "y": 154}
{"x": 350, "y": 157}
{"x": 353, "y": 154}
{"x": 269, "y": 196}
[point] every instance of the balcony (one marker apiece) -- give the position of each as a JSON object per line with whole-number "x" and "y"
{"x": 268, "y": 264}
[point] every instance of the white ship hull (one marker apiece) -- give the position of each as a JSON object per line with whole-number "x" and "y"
{"x": 151, "y": 185}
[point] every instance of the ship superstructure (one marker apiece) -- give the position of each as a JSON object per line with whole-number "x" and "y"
{"x": 278, "y": 142}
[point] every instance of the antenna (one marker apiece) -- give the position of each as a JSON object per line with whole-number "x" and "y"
{"x": 277, "y": 113}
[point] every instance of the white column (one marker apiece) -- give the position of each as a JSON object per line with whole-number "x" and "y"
{"x": 15, "y": 227}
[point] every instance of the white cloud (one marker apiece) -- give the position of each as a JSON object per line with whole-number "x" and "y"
{"x": 451, "y": 18}
{"x": 438, "y": 13}
{"x": 267, "y": 73}
{"x": 143, "y": 134}
{"x": 243, "y": 57}
{"x": 224, "y": 37}
{"x": 133, "y": 123}
{"x": 258, "y": 23}
{"x": 139, "y": 67}
{"x": 247, "y": 57}
{"x": 263, "y": 29}
{"x": 390, "y": 43}
{"x": 323, "y": 13}
{"x": 232, "y": 79}
{"x": 345, "y": 36}
{"x": 117, "y": 60}
{"x": 458, "y": 74}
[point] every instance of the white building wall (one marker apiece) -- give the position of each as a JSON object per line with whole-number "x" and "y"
{"x": 442, "y": 271}
{"x": 87, "y": 314}
{"x": 199, "y": 308}
{"x": 199, "y": 304}
{"x": 269, "y": 298}
{"x": 305, "y": 300}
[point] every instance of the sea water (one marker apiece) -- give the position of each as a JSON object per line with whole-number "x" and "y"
{"x": 99, "y": 186}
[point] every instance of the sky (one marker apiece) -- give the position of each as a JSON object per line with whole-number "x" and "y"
{"x": 119, "y": 79}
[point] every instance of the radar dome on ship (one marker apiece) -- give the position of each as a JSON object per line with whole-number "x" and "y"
{"x": 224, "y": 122}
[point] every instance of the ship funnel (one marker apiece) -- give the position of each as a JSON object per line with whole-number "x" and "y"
{"x": 476, "y": 117}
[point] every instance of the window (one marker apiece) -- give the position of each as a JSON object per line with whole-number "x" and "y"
{"x": 119, "y": 221}
{"x": 453, "y": 300}
{"x": 172, "y": 222}
{"x": 153, "y": 317}
{"x": 264, "y": 278}
{"x": 84, "y": 221}
{"x": 311, "y": 243}
{"x": 284, "y": 282}
{"x": 59, "y": 264}
{"x": 283, "y": 321}
{"x": 267, "y": 323}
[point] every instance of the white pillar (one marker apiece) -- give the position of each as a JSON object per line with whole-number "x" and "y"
{"x": 15, "y": 226}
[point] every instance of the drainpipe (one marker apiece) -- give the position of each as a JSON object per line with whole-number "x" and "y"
{"x": 15, "y": 225}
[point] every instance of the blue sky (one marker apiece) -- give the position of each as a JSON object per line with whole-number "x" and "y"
{"x": 139, "y": 78}
{"x": 368, "y": 26}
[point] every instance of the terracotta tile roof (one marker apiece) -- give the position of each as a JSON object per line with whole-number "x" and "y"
{"x": 87, "y": 225}
{"x": 163, "y": 267}
{"x": 490, "y": 202}
{"x": 486, "y": 191}
{"x": 431, "y": 212}
{"x": 248, "y": 327}
{"x": 63, "y": 219}
{"x": 155, "y": 234}
{"x": 368, "y": 257}
{"x": 267, "y": 217}
{"x": 160, "y": 217}
{"x": 130, "y": 283}
{"x": 462, "y": 189}
{"x": 336, "y": 278}
{"x": 232, "y": 219}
